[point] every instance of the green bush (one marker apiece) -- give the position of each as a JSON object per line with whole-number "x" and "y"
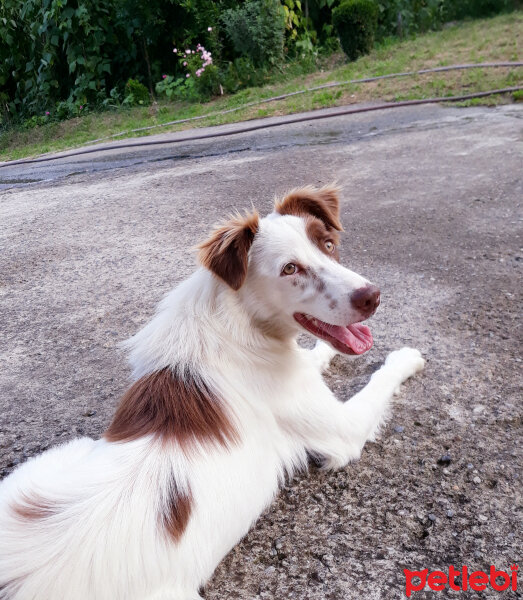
{"x": 454, "y": 9}
{"x": 136, "y": 94}
{"x": 256, "y": 30}
{"x": 63, "y": 58}
{"x": 58, "y": 55}
{"x": 174, "y": 88}
{"x": 240, "y": 74}
{"x": 208, "y": 84}
{"x": 53, "y": 50}
{"x": 406, "y": 17}
{"x": 356, "y": 22}
{"x": 200, "y": 79}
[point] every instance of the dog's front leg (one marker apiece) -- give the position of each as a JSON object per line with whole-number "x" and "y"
{"x": 321, "y": 355}
{"x": 368, "y": 408}
{"x": 335, "y": 431}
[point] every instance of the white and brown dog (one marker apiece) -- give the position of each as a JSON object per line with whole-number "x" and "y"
{"x": 225, "y": 405}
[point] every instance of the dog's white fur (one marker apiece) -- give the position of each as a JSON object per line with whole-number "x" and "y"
{"x": 101, "y": 540}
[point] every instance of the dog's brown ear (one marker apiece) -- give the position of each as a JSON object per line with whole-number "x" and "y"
{"x": 226, "y": 252}
{"x": 322, "y": 203}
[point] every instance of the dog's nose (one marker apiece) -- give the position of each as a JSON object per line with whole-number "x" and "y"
{"x": 366, "y": 299}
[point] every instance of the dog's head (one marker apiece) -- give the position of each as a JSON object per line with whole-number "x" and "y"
{"x": 285, "y": 269}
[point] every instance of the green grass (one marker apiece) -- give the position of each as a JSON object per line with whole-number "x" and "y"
{"x": 487, "y": 40}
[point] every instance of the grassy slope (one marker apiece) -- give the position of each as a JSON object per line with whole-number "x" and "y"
{"x": 488, "y": 40}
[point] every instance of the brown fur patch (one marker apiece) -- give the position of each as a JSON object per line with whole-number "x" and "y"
{"x": 317, "y": 281}
{"x": 319, "y": 234}
{"x": 177, "y": 512}
{"x": 226, "y": 252}
{"x": 34, "y": 508}
{"x": 171, "y": 408}
{"x": 322, "y": 203}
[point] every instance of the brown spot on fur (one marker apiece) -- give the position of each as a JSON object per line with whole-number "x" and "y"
{"x": 34, "y": 508}
{"x": 333, "y": 304}
{"x": 177, "y": 511}
{"x": 317, "y": 282}
{"x": 322, "y": 203}
{"x": 171, "y": 407}
{"x": 226, "y": 252}
{"x": 319, "y": 234}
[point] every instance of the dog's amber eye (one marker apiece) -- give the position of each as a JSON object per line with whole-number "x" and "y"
{"x": 329, "y": 246}
{"x": 289, "y": 269}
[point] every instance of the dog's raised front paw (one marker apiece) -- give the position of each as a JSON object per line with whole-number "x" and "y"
{"x": 405, "y": 362}
{"x": 323, "y": 353}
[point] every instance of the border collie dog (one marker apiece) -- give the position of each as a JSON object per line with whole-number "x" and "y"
{"x": 223, "y": 407}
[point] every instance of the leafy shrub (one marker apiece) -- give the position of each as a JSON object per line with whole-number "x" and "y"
{"x": 356, "y": 22}
{"x": 406, "y": 17}
{"x": 173, "y": 88}
{"x": 76, "y": 51}
{"x": 53, "y": 50}
{"x": 476, "y": 8}
{"x": 136, "y": 94}
{"x": 240, "y": 74}
{"x": 34, "y": 121}
{"x": 62, "y": 58}
{"x": 69, "y": 108}
{"x": 256, "y": 30}
{"x": 201, "y": 78}
{"x": 208, "y": 84}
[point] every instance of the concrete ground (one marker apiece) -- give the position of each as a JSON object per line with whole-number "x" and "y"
{"x": 432, "y": 210}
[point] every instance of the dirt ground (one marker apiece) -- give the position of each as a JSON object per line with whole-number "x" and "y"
{"x": 432, "y": 210}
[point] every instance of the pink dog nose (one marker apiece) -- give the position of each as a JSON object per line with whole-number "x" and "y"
{"x": 366, "y": 299}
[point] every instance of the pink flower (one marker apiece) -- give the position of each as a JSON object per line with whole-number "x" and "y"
{"x": 47, "y": 113}
{"x": 81, "y": 107}
{"x": 175, "y": 50}
{"x": 187, "y": 52}
{"x": 164, "y": 76}
{"x": 209, "y": 28}
{"x": 188, "y": 75}
{"x": 184, "y": 63}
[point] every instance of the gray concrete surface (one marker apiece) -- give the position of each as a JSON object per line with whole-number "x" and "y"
{"x": 432, "y": 208}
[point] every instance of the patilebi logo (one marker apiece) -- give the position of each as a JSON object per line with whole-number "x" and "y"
{"x": 415, "y": 581}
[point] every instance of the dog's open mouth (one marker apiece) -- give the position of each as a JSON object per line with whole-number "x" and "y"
{"x": 353, "y": 339}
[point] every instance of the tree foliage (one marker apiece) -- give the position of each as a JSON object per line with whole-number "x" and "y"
{"x": 65, "y": 57}
{"x": 256, "y": 30}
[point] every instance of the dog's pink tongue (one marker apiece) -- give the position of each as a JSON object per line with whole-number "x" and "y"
{"x": 357, "y": 337}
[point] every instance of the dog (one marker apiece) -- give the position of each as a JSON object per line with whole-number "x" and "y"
{"x": 224, "y": 406}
